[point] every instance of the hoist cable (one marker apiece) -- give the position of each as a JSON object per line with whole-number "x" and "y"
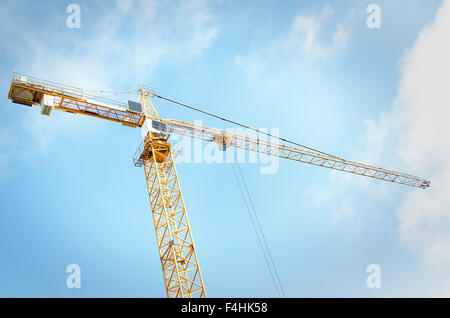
{"x": 261, "y": 231}
{"x": 256, "y": 231}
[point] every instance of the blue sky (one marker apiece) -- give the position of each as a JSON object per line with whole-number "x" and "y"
{"x": 69, "y": 192}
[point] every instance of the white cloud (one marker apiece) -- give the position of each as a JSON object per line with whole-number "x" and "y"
{"x": 311, "y": 37}
{"x": 413, "y": 136}
{"x": 305, "y": 36}
{"x": 203, "y": 31}
{"x": 117, "y": 43}
{"x": 129, "y": 41}
{"x": 417, "y": 129}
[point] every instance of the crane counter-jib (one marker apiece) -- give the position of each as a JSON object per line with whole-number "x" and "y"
{"x": 29, "y": 92}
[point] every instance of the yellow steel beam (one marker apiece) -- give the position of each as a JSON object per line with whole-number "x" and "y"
{"x": 179, "y": 262}
{"x": 227, "y": 139}
{"x": 29, "y": 91}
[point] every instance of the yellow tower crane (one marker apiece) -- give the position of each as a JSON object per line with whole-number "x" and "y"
{"x": 179, "y": 262}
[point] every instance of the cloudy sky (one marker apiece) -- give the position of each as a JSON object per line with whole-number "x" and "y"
{"x": 314, "y": 70}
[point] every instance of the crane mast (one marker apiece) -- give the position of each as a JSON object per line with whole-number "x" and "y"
{"x": 179, "y": 262}
{"x": 178, "y": 256}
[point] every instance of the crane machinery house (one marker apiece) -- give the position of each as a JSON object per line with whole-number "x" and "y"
{"x": 149, "y": 125}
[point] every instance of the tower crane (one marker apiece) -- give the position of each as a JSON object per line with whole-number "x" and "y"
{"x": 178, "y": 255}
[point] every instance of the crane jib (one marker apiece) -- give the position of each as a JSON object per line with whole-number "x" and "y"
{"x": 30, "y": 91}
